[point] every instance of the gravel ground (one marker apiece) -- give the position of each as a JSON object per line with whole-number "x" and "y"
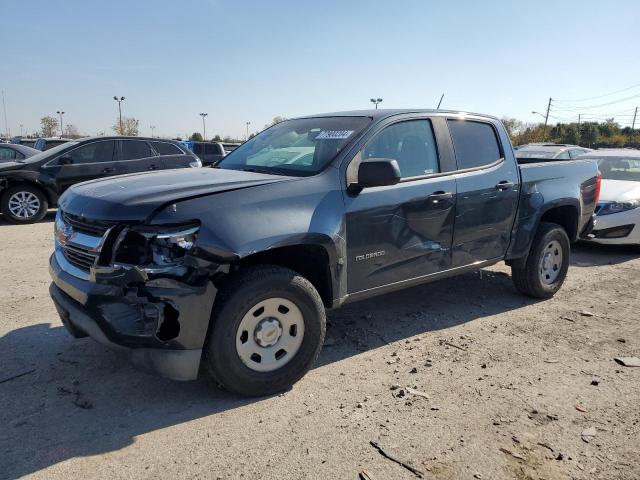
{"x": 513, "y": 388}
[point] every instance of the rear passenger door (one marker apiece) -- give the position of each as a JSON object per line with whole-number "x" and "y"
{"x": 488, "y": 192}
{"x": 136, "y": 156}
{"x": 86, "y": 162}
{"x": 171, "y": 155}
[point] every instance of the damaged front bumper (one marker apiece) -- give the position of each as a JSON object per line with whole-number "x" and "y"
{"x": 160, "y": 320}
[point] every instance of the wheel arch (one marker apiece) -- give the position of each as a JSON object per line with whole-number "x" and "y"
{"x": 10, "y": 182}
{"x": 313, "y": 259}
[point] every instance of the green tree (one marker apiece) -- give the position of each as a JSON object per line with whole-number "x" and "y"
{"x": 196, "y": 137}
{"x": 217, "y": 138}
{"x": 49, "y": 126}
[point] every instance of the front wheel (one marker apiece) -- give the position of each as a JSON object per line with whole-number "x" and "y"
{"x": 547, "y": 264}
{"x": 23, "y": 204}
{"x": 268, "y": 327}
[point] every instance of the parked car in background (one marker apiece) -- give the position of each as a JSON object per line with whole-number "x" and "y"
{"x": 11, "y": 151}
{"x": 28, "y": 142}
{"x": 28, "y": 187}
{"x": 44, "y": 144}
{"x": 209, "y": 152}
{"x": 618, "y": 211}
{"x": 232, "y": 267}
{"x": 546, "y": 152}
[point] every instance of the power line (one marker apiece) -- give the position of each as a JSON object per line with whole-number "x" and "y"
{"x": 606, "y": 104}
{"x": 603, "y": 95}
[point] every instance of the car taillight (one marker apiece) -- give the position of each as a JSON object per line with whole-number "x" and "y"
{"x": 598, "y": 185}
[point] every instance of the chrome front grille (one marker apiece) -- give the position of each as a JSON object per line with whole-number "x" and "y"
{"x": 80, "y": 257}
{"x": 91, "y": 227}
{"x": 79, "y": 242}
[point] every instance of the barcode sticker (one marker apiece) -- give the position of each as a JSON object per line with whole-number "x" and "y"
{"x": 334, "y": 134}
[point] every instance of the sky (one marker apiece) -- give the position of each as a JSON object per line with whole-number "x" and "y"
{"x": 249, "y": 61}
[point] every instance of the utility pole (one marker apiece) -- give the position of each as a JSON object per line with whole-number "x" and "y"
{"x": 120, "y": 100}
{"x": 247, "y": 137}
{"x": 6, "y": 125}
{"x": 21, "y": 125}
{"x": 440, "y": 102}
{"x": 546, "y": 119}
{"x": 152, "y": 127}
{"x": 635, "y": 114}
{"x": 60, "y": 112}
{"x": 204, "y": 128}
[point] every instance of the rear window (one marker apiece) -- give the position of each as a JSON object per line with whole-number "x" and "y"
{"x": 164, "y": 148}
{"x": 213, "y": 149}
{"x": 475, "y": 143}
{"x": 132, "y": 149}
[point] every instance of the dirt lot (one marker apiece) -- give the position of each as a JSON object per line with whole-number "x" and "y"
{"x": 514, "y": 387}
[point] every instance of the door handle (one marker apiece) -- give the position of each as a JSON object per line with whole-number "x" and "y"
{"x": 107, "y": 170}
{"x": 435, "y": 197}
{"x": 504, "y": 185}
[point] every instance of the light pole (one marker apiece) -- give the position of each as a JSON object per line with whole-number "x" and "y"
{"x": 21, "y": 129}
{"x": 60, "y": 112}
{"x": 120, "y": 100}
{"x": 204, "y": 127}
{"x": 376, "y": 101}
{"x": 152, "y": 127}
{"x": 247, "y": 137}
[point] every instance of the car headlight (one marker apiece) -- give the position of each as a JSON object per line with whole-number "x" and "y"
{"x": 170, "y": 247}
{"x": 196, "y": 163}
{"x": 617, "y": 207}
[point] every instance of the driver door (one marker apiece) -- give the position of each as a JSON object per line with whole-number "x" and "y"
{"x": 403, "y": 231}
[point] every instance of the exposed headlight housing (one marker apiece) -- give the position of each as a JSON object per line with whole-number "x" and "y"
{"x": 617, "y": 207}
{"x": 155, "y": 246}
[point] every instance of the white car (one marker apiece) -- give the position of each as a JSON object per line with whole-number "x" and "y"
{"x": 618, "y": 211}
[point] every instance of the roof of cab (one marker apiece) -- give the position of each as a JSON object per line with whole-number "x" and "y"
{"x": 389, "y": 112}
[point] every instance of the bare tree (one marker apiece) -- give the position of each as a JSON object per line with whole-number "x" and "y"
{"x": 49, "y": 126}
{"x": 129, "y": 127}
{"x": 71, "y": 131}
{"x": 275, "y": 121}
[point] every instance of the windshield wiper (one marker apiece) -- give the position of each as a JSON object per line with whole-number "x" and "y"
{"x": 268, "y": 171}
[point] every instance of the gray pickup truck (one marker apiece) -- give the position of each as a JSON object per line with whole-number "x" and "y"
{"x": 230, "y": 269}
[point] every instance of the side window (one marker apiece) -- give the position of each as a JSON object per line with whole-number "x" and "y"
{"x": 7, "y": 154}
{"x": 576, "y": 152}
{"x": 93, "y": 152}
{"x": 475, "y": 143}
{"x": 164, "y": 148}
{"x": 133, "y": 149}
{"x": 411, "y": 143}
{"x": 564, "y": 155}
{"x": 198, "y": 149}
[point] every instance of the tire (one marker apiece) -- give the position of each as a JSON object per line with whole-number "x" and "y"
{"x": 540, "y": 277}
{"x": 255, "y": 308}
{"x": 32, "y": 211}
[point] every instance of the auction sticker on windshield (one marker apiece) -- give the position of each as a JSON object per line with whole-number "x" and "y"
{"x": 334, "y": 134}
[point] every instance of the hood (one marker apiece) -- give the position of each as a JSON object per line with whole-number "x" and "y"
{"x": 9, "y": 165}
{"x": 619, "y": 190}
{"x": 135, "y": 197}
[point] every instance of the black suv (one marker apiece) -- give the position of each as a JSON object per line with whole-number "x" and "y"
{"x": 209, "y": 152}
{"x": 29, "y": 187}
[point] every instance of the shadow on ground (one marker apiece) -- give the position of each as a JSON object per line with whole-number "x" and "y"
{"x": 80, "y": 399}
{"x": 591, "y": 254}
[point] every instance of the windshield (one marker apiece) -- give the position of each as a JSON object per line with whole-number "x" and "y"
{"x": 49, "y": 153}
{"x": 619, "y": 168}
{"x": 300, "y": 147}
{"x": 520, "y": 153}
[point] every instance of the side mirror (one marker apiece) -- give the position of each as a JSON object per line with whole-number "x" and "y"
{"x": 65, "y": 159}
{"x": 378, "y": 172}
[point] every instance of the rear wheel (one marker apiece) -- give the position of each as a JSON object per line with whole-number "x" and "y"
{"x": 24, "y": 204}
{"x": 547, "y": 264}
{"x": 267, "y": 331}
